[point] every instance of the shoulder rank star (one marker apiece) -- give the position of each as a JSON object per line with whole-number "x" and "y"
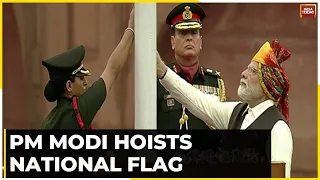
{"x": 218, "y": 73}
{"x": 209, "y": 70}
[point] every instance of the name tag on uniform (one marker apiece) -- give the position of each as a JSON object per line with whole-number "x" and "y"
{"x": 207, "y": 89}
{"x": 169, "y": 99}
{"x": 170, "y": 102}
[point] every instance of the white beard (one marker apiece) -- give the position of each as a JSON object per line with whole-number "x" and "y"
{"x": 249, "y": 93}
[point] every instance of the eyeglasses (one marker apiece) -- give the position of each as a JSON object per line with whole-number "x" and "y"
{"x": 252, "y": 70}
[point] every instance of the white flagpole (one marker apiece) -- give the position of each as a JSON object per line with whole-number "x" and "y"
{"x": 145, "y": 66}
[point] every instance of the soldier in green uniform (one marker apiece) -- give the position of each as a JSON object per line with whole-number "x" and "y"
{"x": 186, "y": 22}
{"x": 77, "y": 104}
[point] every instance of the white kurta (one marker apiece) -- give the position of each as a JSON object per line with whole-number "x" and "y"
{"x": 216, "y": 113}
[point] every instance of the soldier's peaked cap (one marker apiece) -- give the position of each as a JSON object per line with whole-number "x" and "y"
{"x": 66, "y": 64}
{"x": 186, "y": 16}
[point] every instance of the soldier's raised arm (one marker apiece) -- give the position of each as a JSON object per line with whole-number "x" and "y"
{"x": 95, "y": 96}
{"x": 77, "y": 103}
{"x": 119, "y": 55}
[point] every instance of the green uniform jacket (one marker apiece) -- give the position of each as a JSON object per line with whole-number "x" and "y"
{"x": 63, "y": 116}
{"x": 169, "y": 111}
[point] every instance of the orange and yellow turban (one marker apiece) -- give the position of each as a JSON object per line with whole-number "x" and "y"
{"x": 272, "y": 76}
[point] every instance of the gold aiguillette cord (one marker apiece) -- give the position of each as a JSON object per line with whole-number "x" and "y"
{"x": 184, "y": 118}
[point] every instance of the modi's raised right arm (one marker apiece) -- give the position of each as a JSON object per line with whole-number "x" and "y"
{"x": 204, "y": 106}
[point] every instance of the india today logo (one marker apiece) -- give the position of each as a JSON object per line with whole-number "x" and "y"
{"x": 308, "y": 10}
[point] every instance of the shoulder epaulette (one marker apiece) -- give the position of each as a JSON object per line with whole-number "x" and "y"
{"x": 222, "y": 89}
{"x": 212, "y": 72}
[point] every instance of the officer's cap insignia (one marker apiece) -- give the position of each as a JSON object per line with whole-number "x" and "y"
{"x": 187, "y": 14}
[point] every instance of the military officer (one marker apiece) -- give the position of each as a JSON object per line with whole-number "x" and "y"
{"x": 77, "y": 104}
{"x": 186, "y": 40}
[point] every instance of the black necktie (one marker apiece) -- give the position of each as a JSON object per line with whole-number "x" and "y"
{"x": 245, "y": 113}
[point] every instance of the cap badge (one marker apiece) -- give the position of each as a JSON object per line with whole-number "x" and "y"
{"x": 187, "y": 14}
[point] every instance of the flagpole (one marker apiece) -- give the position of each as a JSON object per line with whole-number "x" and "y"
{"x": 145, "y": 66}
